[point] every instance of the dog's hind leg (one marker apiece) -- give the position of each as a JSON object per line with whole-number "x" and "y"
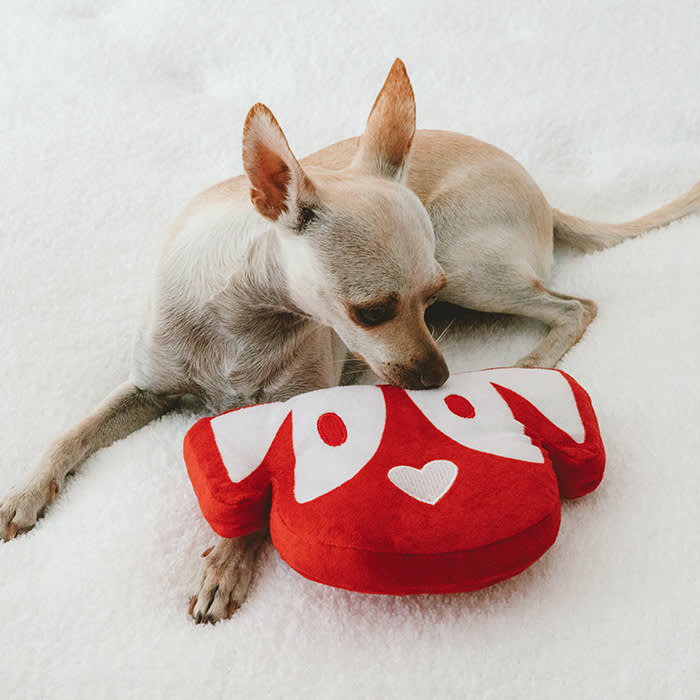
{"x": 567, "y": 318}
{"x": 127, "y": 409}
{"x": 521, "y": 293}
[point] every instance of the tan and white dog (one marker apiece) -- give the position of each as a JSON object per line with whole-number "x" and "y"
{"x": 267, "y": 281}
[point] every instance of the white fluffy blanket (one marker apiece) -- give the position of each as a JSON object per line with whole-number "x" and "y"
{"x": 114, "y": 112}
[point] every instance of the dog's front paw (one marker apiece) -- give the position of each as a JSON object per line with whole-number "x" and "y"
{"x": 226, "y": 576}
{"x": 20, "y": 510}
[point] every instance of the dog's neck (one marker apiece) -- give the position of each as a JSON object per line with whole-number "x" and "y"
{"x": 260, "y": 290}
{"x": 276, "y": 342}
{"x": 250, "y": 342}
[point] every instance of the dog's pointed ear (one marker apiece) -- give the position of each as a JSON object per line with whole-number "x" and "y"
{"x": 390, "y": 127}
{"x": 280, "y": 189}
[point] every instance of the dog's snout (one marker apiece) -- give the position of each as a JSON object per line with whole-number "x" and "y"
{"x": 429, "y": 373}
{"x": 434, "y": 373}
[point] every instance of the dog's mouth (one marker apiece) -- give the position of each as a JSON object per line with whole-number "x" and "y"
{"x": 430, "y": 375}
{"x": 427, "y": 375}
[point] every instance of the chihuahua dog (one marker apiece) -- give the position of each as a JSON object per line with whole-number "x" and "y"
{"x": 267, "y": 281}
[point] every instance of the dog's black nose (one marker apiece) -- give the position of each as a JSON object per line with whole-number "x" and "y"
{"x": 435, "y": 374}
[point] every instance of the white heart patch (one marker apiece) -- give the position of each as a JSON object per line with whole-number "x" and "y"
{"x": 428, "y": 484}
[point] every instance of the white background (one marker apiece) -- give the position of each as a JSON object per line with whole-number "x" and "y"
{"x": 113, "y": 114}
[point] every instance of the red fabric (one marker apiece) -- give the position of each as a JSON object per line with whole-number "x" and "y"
{"x": 498, "y": 516}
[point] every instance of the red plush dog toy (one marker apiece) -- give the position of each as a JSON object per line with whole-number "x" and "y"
{"x": 383, "y": 490}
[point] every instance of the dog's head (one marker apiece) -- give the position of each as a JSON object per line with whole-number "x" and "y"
{"x": 357, "y": 246}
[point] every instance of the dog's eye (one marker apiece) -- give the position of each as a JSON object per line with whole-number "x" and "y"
{"x": 372, "y": 315}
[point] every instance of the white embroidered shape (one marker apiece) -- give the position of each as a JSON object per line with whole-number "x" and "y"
{"x": 428, "y": 484}
{"x": 244, "y": 437}
{"x": 322, "y": 467}
{"x": 492, "y": 428}
{"x": 548, "y": 391}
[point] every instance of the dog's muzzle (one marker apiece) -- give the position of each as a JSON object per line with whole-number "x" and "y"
{"x": 424, "y": 375}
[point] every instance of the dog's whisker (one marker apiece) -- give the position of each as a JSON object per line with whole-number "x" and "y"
{"x": 445, "y": 330}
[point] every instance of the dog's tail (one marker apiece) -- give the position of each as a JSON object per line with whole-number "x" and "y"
{"x": 592, "y": 235}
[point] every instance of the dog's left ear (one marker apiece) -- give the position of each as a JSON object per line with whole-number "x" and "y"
{"x": 280, "y": 189}
{"x": 390, "y": 127}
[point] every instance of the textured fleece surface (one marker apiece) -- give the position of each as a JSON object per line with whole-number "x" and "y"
{"x": 112, "y": 114}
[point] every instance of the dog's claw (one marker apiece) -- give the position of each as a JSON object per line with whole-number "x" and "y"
{"x": 207, "y": 552}
{"x": 12, "y": 530}
{"x": 53, "y": 491}
{"x": 231, "y": 608}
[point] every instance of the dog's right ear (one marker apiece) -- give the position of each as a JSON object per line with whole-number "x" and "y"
{"x": 390, "y": 127}
{"x": 280, "y": 189}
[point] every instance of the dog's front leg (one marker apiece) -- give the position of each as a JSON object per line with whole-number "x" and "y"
{"x": 127, "y": 409}
{"x": 226, "y": 576}
{"x": 229, "y": 565}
